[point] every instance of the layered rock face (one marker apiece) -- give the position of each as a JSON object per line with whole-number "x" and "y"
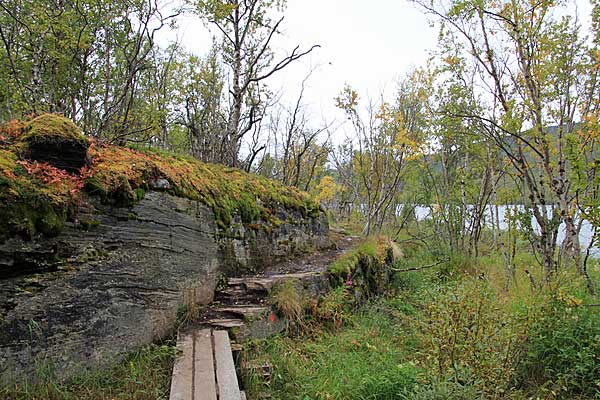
{"x": 102, "y": 246}
{"x": 115, "y": 278}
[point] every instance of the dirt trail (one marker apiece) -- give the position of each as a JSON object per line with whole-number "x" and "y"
{"x": 241, "y": 307}
{"x": 317, "y": 261}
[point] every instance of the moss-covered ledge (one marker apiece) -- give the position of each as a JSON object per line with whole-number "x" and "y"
{"x": 96, "y": 262}
{"x": 37, "y": 195}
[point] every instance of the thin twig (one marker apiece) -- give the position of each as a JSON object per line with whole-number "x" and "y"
{"x": 420, "y": 268}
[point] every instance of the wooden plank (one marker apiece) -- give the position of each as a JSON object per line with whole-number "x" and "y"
{"x": 181, "y": 381}
{"x": 204, "y": 370}
{"x": 245, "y": 311}
{"x": 226, "y": 377}
{"x": 226, "y": 323}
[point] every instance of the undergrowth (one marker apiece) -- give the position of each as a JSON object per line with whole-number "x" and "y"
{"x": 144, "y": 375}
{"x": 359, "y": 361}
{"x": 453, "y": 331}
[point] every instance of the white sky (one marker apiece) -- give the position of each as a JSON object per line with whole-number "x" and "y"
{"x": 367, "y": 44}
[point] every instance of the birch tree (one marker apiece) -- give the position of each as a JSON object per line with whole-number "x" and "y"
{"x": 248, "y": 28}
{"x": 534, "y": 69}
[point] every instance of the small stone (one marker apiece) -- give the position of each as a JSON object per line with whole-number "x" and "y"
{"x": 160, "y": 184}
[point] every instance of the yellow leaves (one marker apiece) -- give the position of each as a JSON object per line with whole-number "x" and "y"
{"x": 347, "y": 99}
{"x": 568, "y": 299}
{"x": 451, "y": 60}
{"x": 326, "y": 189}
{"x": 410, "y": 146}
{"x": 386, "y": 114}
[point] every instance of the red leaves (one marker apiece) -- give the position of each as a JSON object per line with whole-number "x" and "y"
{"x": 64, "y": 182}
{"x": 12, "y": 129}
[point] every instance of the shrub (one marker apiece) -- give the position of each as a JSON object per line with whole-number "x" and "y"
{"x": 467, "y": 338}
{"x": 562, "y": 350}
{"x": 333, "y": 309}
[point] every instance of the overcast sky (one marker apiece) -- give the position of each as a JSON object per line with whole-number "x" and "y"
{"x": 367, "y": 44}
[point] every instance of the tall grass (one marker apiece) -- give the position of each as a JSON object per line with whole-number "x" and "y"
{"x": 456, "y": 331}
{"x": 363, "y": 360}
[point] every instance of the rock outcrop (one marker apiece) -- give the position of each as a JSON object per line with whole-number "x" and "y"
{"x": 55, "y": 140}
{"x": 102, "y": 246}
{"x": 116, "y": 279}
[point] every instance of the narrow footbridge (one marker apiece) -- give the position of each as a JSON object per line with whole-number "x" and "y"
{"x": 205, "y": 369}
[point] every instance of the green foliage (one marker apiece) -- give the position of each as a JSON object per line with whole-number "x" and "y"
{"x": 562, "y": 350}
{"x": 90, "y": 60}
{"x": 457, "y": 266}
{"x": 468, "y": 338}
{"x": 363, "y": 360}
{"x": 334, "y": 309}
{"x": 454, "y": 330}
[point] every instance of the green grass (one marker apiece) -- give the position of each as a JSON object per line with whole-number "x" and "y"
{"x": 456, "y": 331}
{"x": 364, "y": 360}
{"x": 144, "y": 375}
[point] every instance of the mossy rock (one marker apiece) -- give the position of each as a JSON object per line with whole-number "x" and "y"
{"x": 56, "y": 140}
{"x": 30, "y": 217}
{"x": 52, "y": 127}
{"x": 366, "y": 268}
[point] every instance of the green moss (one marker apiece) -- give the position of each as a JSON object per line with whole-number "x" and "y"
{"x": 88, "y": 225}
{"x": 50, "y": 221}
{"x": 52, "y": 127}
{"x": 39, "y": 198}
{"x": 27, "y": 204}
{"x": 121, "y": 175}
{"x": 367, "y": 266}
{"x": 139, "y": 194}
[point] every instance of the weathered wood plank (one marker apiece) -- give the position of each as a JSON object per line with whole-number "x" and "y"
{"x": 226, "y": 323}
{"x": 204, "y": 372}
{"x": 245, "y": 311}
{"x": 226, "y": 377}
{"x": 182, "y": 380}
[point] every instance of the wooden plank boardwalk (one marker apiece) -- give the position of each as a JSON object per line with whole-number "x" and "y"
{"x": 204, "y": 369}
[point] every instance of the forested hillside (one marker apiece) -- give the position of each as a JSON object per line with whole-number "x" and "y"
{"x": 481, "y": 166}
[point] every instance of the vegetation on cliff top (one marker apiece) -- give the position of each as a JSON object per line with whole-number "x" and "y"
{"x": 51, "y": 127}
{"x": 37, "y": 197}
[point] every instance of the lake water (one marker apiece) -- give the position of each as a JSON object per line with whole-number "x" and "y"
{"x": 585, "y": 235}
